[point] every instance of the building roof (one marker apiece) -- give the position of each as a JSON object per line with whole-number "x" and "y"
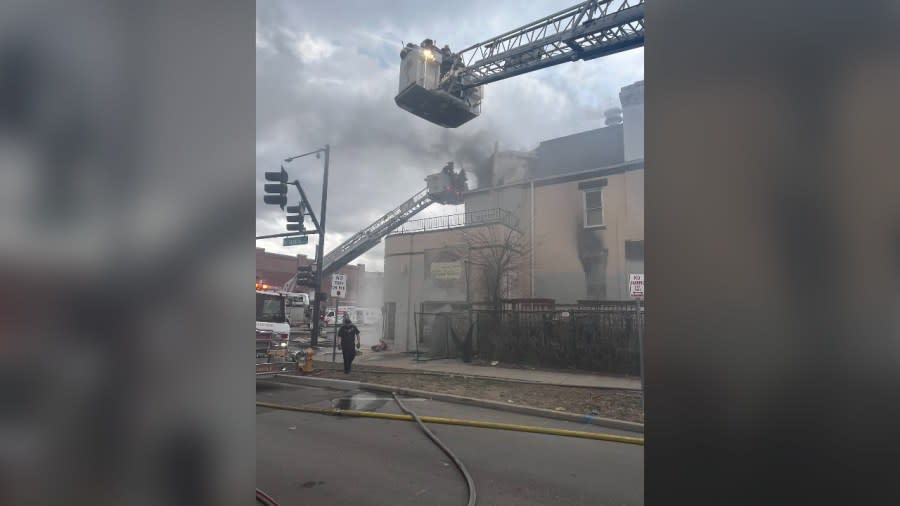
{"x": 610, "y": 170}
{"x": 633, "y": 94}
{"x": 601, "y": 147}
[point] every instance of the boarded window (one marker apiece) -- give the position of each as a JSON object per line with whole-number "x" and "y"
{"x": 595, "y": 273}
{"x": 390, "y": 309}
{"x": 634, "y": 250}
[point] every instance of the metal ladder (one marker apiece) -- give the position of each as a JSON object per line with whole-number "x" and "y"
{"x": 367, "y": 238}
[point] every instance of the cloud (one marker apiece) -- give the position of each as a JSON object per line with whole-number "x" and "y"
{"x": 310, "y": 49}
{"x": 331, "y": 79}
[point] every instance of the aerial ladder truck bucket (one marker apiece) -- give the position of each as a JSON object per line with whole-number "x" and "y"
{"x": 446, "y": 88}
{"x": 424, "y": 72}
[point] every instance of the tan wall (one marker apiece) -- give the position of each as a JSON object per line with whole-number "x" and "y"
{"x": 560, "y": 246}
{"x": 406, "y": 282}
{"x": 561, "y": 242}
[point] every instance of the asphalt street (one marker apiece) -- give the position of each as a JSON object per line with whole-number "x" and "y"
{"x": 315, "y": 459}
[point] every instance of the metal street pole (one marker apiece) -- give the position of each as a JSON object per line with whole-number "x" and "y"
{"x": 337, "y": 305}
{"x": 284, "y": 234}
{"x": 314, "y": 338}
{"x": 320, "y": 248}
{"x": 640, "y": 332}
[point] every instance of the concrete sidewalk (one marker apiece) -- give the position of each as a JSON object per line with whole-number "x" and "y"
{"x": 408, "y": 362}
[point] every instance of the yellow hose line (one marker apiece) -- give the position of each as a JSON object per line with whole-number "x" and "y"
{"x": 456, "y": 421}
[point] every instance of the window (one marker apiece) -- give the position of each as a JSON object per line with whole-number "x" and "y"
{"x": 593, "y": 208}
{"x": 269, "y": 308}
{"x": 634, "y": 250}
{"x": 595, "y": 268}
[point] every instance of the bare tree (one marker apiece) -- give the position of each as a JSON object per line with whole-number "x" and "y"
{"x": 500, "y": 252}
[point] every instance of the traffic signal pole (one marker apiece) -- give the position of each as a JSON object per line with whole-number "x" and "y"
{"x": 276, "y": 193}
{"x": 320, "y": 249}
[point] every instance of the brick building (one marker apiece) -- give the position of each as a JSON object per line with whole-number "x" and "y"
{"x": 275, "y": 269}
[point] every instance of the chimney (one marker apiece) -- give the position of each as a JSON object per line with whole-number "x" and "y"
{"x": 632, "y": 99}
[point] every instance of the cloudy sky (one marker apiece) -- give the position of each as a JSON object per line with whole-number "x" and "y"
{"x": 327, "y": 72}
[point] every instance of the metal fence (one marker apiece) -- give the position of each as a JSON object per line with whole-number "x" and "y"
{"x": 481, "y": 217}
{"x": 599, "y": 337}
{"x": 434, "y": 339}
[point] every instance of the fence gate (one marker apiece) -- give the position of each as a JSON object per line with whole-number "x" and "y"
{"x": 434, "y": 334}
{"x": 388, "y": 320}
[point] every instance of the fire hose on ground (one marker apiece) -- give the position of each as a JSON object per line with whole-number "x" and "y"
{"x": 409, "y": 416}
{"x": 264, "y": 499}
{"x": 599, "y": 436}
{"x": 470, "y": 483}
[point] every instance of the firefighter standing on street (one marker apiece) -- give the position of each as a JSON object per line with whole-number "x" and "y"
{"x": 348, "y": 334}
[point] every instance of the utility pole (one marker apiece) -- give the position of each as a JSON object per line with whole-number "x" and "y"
{"x": 320, "y": 253}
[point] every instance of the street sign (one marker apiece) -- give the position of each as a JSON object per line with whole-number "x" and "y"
{"x": 295, "y": 241}
{"x": 338, "y": 285}
{"x": 636, "y": 285}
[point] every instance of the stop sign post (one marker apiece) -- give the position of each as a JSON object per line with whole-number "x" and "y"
{"x": 636, "y": 290}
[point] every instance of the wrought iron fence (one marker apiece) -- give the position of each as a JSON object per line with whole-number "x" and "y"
{"x": 601, "y": 338}
{"x": 482, "y": 217}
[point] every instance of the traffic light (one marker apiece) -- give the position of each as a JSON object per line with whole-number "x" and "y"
{"x": 295, "y": 218}
{"x": 276, "y": 193}
{"x": 306, "y": 276}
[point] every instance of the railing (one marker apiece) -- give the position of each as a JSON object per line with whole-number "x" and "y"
{"x": 482, "y": 217}
{"x": 600, "y": 338}
{"x": 603, "y": 338}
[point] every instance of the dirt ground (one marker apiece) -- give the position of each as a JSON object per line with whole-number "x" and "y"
{"x": 618, "y": 404}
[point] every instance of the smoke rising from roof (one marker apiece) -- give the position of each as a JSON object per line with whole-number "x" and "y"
{"x": 326, "y": 79}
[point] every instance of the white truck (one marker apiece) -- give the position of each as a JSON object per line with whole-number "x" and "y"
{"x": 331, "y": 319}
{"x": 366, "y": 316}
{"x": 298, "y": 311}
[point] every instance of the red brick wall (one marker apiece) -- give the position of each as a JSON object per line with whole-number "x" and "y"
{"x": 275, "y": 269}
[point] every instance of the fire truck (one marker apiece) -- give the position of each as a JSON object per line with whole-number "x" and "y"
{"x": 273, "y": 333}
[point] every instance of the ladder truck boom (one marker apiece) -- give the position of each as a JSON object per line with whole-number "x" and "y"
{"x": 446, "y": 87}
{"x": 445, "y": 187}
{"x": 367, "y": 238}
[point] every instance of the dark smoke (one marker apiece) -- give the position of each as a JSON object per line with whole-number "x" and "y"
{"x": 471, "y": 152}
{"x": 483, "y": 173}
